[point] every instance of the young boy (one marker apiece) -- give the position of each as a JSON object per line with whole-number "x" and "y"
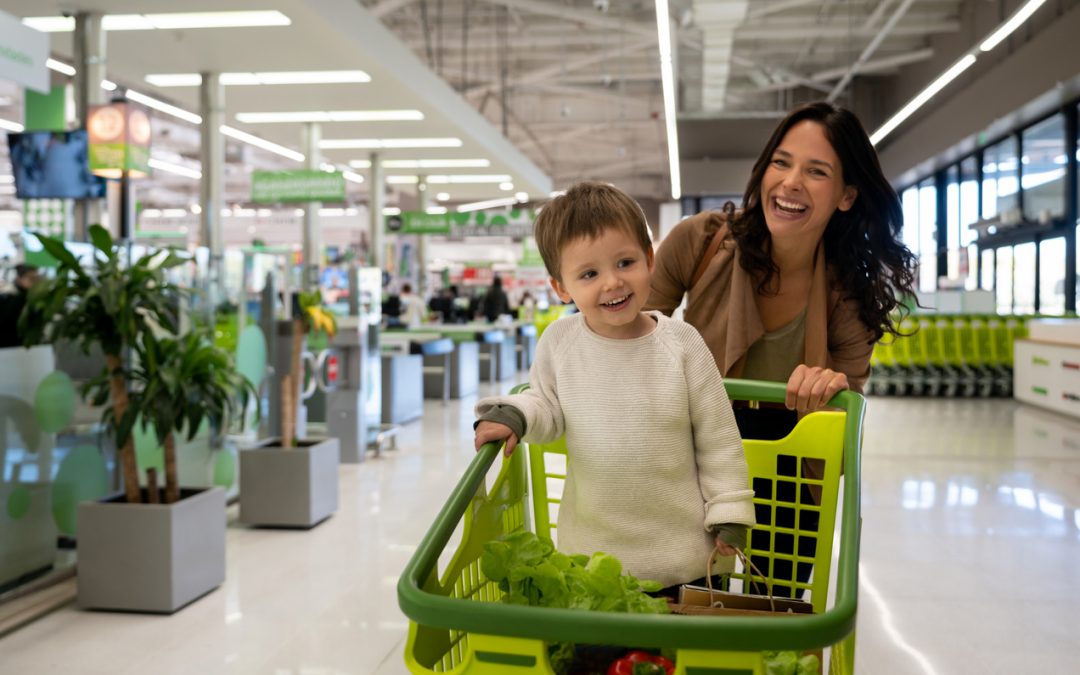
{"x": 656, "y": 473}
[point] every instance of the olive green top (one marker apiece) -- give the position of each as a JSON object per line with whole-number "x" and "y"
{"x": 775, "y": 355}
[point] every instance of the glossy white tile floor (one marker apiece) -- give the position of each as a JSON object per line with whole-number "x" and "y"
{"x": 970, "y": 560}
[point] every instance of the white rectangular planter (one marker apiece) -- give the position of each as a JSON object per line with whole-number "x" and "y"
{"x": 289, "y": 487}
{"x": 151, "y": 557}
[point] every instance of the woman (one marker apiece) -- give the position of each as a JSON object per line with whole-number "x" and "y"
{"x": 803, "y": 281}
{"x": 800, "y": 285}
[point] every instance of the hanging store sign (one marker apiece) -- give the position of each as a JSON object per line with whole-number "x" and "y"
{"x": 516, "y": 223}
{"x": 23, "y": 53}
{"x": 119, "y": 140}
{"x": 269, "y": 187}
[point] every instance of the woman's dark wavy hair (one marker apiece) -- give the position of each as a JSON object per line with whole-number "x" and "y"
{"x": 862, "y": 245}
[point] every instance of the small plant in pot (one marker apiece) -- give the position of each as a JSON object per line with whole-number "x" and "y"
{"x": 290, "y": 482}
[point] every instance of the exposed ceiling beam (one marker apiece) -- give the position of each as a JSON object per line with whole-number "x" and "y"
{"x": 586, "y": 17}
{"x": 384, "y": 7}
{"x": 783, "y": 33}
{"x": 605, "y": 95}
{"x": 869, "y": 50}
{"x": 787, "y": 76}
{"x": 874, "y": 66}
{"x": 552, "y": 72}
{"x": 602, "y": 170}
{"x": 776, "y": 7}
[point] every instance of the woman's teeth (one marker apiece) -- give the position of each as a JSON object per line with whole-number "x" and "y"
{"x": 791, "y": 207}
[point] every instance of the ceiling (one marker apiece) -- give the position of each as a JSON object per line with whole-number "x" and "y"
{"x": 550, "y": 91}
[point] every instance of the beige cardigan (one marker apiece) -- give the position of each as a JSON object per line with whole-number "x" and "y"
{"x": 722, "y": 307}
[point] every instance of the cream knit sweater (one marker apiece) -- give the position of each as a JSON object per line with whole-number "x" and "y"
{"x": 654, "y": 455}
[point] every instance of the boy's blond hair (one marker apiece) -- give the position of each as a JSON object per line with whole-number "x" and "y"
{"x": 586, "y": 210}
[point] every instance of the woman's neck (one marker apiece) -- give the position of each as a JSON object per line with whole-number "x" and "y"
{"x": 794, "y": 258}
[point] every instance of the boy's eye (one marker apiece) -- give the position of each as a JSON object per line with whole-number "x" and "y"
{"x": 588, "y": 275}
{"x": 626, "y": 262}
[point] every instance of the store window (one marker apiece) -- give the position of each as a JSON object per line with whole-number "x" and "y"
{"x": 1000, "y": 171}
{"x": 986, "y": 270}
{"x": 909, "y": 201}
{"x": 1052, "y": 276}
{"x": 1043, "y": 169}
{"x": 1024, "y": 278}
{"x": 969, "y": 215}
{"x": 1003, "y": 280}
{"x": 952, "y": 220}
{"x": 927, "y": 250}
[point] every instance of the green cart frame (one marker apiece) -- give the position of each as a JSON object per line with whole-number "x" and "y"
{"x": 457, "y": 624}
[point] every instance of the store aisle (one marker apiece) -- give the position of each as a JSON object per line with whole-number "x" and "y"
{"x": 970, "y": 540}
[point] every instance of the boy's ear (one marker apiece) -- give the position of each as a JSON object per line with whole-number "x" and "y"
{"x": 559, "y": 289}
{"x": 650, "y": 258}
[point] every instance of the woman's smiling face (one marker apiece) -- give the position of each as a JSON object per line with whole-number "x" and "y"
{"x": 803, "y": 186}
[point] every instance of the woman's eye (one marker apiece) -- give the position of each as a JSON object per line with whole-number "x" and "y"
{"x": 779, "y": 162}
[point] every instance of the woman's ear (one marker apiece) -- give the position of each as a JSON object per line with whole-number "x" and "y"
{"x": 559, "y": 289}
{"x": 850, "y": 193}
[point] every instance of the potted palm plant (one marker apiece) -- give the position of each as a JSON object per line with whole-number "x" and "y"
{"x": 138, "y": 551}
{"x": 290, "y": 481}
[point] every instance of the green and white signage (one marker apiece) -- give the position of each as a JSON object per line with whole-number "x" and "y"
{"x": 23, "y": 52}
{"x": 297, "y": 186}
{"x": 515, "y": 223}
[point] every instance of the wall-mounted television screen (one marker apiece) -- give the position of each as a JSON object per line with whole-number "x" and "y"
{"x": 53, "y": 165}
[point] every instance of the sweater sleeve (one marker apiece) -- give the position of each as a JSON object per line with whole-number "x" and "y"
{"x": 676, "y": 259}
{"x": 850, "y": 345}
{"x": 539, "y": 404}
{"x": 721, "y": 460}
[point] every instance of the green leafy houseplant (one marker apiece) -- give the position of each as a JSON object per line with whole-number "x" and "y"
{"x": 112, "y": 304}
{"x": 178, "y": 383}
{"x": 313, "y": 317}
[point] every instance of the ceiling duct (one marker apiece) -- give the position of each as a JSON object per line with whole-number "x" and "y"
{"x": 717, "y": 20}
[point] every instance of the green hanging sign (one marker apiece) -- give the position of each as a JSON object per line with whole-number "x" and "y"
{"x": 516, "y": 223}
{"x": 297, "y": 186}
{"x": 119, "y": 140}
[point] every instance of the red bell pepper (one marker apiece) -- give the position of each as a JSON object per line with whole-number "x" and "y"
{"x": 641, "y": 663}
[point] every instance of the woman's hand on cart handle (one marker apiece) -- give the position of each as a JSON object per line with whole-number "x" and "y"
{"x": 486, "y": 432}
{"x": 809, "y": 389}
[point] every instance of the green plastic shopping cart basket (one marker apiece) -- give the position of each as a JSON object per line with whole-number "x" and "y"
{"x": 457, "y": 624}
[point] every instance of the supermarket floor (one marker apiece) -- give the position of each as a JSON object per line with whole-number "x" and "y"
{"x": 970, "y": 543}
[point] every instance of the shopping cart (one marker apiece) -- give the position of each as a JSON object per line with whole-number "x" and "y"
{"x": 457, "y": 624}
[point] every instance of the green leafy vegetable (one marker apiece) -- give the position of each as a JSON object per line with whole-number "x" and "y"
{"x": 790, "y": 663}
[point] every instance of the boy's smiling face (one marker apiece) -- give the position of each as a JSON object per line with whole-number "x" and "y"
{"x": 608, "y": 279}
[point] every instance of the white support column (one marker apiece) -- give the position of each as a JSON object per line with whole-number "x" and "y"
{"x": 376, "y": 202}
{"x": 312, "y": 246}
{"x": 423, "y": 200}
{"x": 212, "y": 183}
{"x": 89, "y": 65}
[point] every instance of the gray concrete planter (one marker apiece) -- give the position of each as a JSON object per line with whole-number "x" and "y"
{"x": 289, "y": 487}
{"x": 151, "y": 557}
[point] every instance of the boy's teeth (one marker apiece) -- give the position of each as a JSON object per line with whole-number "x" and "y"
{"x": 616, "y": 300}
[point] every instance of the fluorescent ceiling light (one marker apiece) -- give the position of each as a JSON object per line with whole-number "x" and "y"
{"x": 922, "y": 97}
{"x": 352, "y": 176}
{"x": 60, "y": 67}
{"x": 108, "y": 85}
{"x": 382, "y": 143}
{"x": 402, "y": 180}
{"x": 489, "y": 204}
{"x": 174, "y": 213}
{"x": 436, "y": 210}
{"x": 391, "y": 211}
{"x": 171, "y": 21}
{"x": 506, "y": 186}
{"x": 521, "y": 196}
{"x": 8, "y": 125}
{"x": 424, "y": 163}
{"x": 1015, "y": 21}
{"x": 151, "y": 102}
{"x": 262, "y": 143}
{"x": 469, "y": 179}
{"x": 442, "y": 196}
{"x": 667, "y": 79}
{"x": 177, "y": 169}
{"x": 330, "y": 116}
{"x": 263, "y": 78}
